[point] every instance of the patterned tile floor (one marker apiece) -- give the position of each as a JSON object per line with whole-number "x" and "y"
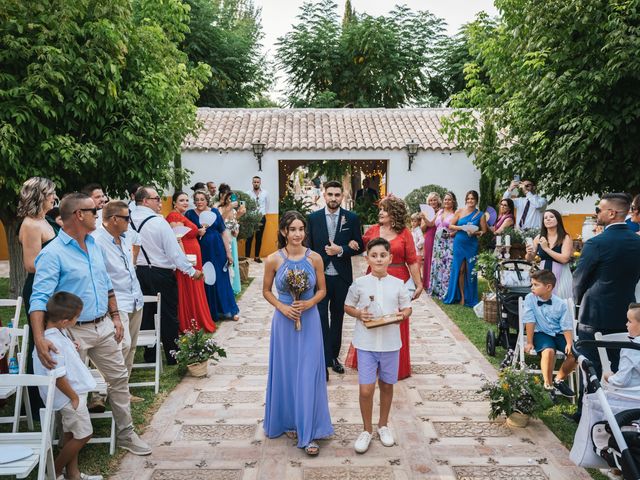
{"x": 211, "y": 428}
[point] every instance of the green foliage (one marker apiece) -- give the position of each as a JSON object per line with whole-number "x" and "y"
{"x": 516, "y": 390}
{"x": 367, "y": 210}
{"x": 419, "y": 196}
{"x": 226, "y": 36}
{"x": 93, "y": 91}
{"x": 329, "y": 169}
{"x": 290, "y": 203}
{"x": 363, "y": 61}
{"x": 250, "y": 221}
{"x": 520, "y": 236}
{"x": 554, "y": 92}
{"x": 487, "y": 266}
{"x": 196, "y": 346}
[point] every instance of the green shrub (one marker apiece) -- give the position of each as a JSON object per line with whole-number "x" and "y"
{"x": 419, "y": 195}
{"x": 250, "y": 221}
{"x": 289, "y": 202}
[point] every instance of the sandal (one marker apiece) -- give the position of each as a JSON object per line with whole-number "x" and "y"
{"x": 293, "y": 435}
{"x": 312, "y": 449}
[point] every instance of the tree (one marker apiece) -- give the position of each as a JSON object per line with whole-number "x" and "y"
{"x": 226, "y": 34}
{"x": 554, "y": 96}
{"x": 364, "y": 61}
{"x": 452, "y": 54}
{"x": 91, "y": 91}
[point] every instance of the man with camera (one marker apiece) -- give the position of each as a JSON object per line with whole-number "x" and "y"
{"x": 529, "y": 208}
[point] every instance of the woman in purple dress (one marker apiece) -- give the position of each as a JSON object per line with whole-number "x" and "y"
{"x": 297, "y": 401}
{"x": 429, "y": 229}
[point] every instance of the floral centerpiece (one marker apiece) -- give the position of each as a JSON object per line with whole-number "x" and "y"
{"x": 516, "y": 393}
{"x": 298, "y": 283}
{"x": 195, "y": 349}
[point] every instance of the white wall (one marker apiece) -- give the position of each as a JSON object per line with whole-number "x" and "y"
{"x": 452, "y": 170}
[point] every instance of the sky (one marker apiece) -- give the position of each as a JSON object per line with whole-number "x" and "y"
{"x": 279, "y": 15}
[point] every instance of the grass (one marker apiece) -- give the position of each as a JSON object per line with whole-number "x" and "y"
{"x": 476, "y": 330}
{"x": 95, "y": 458}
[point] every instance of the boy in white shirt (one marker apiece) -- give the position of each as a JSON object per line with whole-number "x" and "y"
{"x": 73, "y": 382}
{"x": 378, "y": 348}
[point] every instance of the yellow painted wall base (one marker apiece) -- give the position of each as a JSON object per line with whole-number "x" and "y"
{"x": 573, "y": 224}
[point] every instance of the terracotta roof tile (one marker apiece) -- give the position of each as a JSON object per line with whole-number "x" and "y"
{"x": 319, "y": 129}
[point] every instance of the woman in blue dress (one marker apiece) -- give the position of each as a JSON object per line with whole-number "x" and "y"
{"x": 463, "y": 282}
{"x": 297, "y": 401}
{"x": 216, "y": 249}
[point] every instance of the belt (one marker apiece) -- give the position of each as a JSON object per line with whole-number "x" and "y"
{"x": 397, "y": 264}
{"x": 95, "y": 320}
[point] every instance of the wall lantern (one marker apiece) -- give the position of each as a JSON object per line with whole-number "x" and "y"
{"x": 412, "y": 149}
{"x": 258, "y": 150}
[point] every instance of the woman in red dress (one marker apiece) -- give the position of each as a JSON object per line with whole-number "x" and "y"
{"x": 192, "y": 301}
{"x": 392, "y": 226}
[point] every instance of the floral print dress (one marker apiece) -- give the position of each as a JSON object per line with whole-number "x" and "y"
{"x": 442, "y": 257}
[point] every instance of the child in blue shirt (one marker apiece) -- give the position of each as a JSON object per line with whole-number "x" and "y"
{"x": 549, "y": 327}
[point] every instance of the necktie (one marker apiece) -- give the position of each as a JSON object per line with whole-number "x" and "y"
{"x": 540, "y": 302}
{"x": 524, "y": 213}
{"x": 333, "y": 223}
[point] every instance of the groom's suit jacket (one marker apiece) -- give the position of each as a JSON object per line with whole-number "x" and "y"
{"x": 606, "y": 276}
{"x": 348, "y": 228}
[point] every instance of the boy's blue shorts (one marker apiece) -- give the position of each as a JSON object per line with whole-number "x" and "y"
{"x": 542, "y": 340}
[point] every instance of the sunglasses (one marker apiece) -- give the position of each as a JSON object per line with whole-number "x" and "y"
{"x": 93, "y": 210}
{"x": 124, "y": 217}
{"x": 598, "y": 210}
{"x": 635, "y": 208}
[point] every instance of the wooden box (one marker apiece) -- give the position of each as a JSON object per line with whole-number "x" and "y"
{"x": 385, "y": 320}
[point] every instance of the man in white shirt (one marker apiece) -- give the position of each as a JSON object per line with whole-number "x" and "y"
{"x": 529, "y": 208}
{"x": 160, "y": 255}
{"x": 261, "y": 197}
{"x": 117, "y": 249}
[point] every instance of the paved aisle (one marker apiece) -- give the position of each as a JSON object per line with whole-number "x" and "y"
{"x": 211, "y": 428}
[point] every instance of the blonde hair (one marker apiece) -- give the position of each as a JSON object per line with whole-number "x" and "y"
{"x": 435, "y": 195}
{"x": 33, "y": 194}
{"x": 416, "y": 217}
{"x": 206, "y": 194}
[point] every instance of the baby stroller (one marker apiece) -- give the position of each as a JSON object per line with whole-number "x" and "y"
{"x": 604, "y": 438}
{"x": 512, "y": 282}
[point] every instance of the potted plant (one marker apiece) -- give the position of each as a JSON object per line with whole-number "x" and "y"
{"x": 367, "y": 210}
{"x": 487, "y": 266}
{"x": 195, "y": 349}
{"x": 517, "y": 394}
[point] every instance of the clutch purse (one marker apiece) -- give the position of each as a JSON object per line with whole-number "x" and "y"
{"x": 389, "y": 319}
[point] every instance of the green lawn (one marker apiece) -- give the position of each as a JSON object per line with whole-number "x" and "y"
{"x": 475, "y": 329}
{"x": 96, "y": 458}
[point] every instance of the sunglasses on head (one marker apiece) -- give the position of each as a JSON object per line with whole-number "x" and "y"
{"x": 93, "y": 210}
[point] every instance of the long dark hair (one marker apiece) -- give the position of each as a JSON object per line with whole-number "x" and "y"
{"x": 175, "y": 196}
{"x": 285, "y": 221}
{"x": 561, "y": 231}
{"x": 453, "y": 197}
{"x": 510, "y": 205}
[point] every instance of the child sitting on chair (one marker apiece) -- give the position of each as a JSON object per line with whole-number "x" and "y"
{"x": 378, "y": 348}
{"x": 549, "y": 327}
{"x": 628, "y": 374}
{"x": 73, "y": 382}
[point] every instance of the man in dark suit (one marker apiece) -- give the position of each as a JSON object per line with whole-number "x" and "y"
{"x": 605, "y": 280}
{"x": 334, "y": 233}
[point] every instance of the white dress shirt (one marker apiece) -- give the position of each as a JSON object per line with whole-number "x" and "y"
{"x": 262, "y": 199}
{"x": 119, "y": 262}
{"x": 392, "y": 295}
{"x": 536, "y": 209}
{"x": 68, "y": 364}
{"x": 159, "y": 242}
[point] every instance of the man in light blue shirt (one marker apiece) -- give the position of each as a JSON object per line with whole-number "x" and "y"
{"x": 73, "y": 262}
{"x": 117, "y": 248}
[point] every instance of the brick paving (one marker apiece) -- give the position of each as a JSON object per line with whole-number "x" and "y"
{"x": 211, "y": 428}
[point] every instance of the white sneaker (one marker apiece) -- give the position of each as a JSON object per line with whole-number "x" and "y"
{"x": 386, "y": 437}
{"x": 84, "y": 476}
{"x": 362, "y": 443}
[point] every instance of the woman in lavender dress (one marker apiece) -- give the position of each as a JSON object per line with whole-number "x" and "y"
{"x": 297, "y": 401}
{"x": 443, "y": 248}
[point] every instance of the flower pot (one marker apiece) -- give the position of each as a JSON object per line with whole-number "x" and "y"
{"x": 518, "y": 420}
{"x": 198, "y": 369}
{"x": 243, "y": 264}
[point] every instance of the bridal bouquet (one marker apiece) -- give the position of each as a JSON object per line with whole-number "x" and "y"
{"x": 298, "y": 283}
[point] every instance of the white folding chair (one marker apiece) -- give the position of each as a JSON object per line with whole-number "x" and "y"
{"x": 38, "y": 442}
{"x": 522, "y": 334}
{"x": 602, "y": 351}
{"x": 19, "y": 336}
{"x": 151, "y": 338}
